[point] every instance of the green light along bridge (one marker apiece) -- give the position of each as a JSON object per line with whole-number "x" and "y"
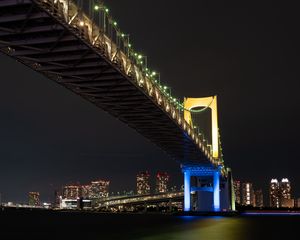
{"x": 86, "y": 52}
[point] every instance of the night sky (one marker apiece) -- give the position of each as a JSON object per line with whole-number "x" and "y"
{"x": 246, "y": 54}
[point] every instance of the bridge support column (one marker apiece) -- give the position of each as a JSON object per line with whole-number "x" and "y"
{"x": 227, "y": 197}
{"x": 206, "y": 188}
{"x": 187, "y": 190}
{"x": 216, "y": 186}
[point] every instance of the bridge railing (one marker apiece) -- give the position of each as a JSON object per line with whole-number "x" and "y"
{"x": 114, "y": 46}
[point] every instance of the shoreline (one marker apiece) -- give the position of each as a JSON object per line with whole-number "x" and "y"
{"x": 249, "y": 212}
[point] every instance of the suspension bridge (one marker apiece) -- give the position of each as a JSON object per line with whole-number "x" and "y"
{"x": 83, "y": 49}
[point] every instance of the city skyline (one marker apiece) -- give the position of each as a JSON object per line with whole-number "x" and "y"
{"x": 44, "y": 142}
{"x": 246, "y": 194}
{"x": 156, "y": 183}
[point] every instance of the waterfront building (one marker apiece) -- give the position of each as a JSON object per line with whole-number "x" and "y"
{"x": 237, "y": 191}
{"x": 280, "y": 193}
{"x": 285, "y": 193}
{"x": 69, "y": 203}
{"x": 85, "y": 204}
{"x": 34, "y": 199}
{"x": 298, "y": 203}
{"x": 248, "y": 198}
{"x": 287, "y": 203}
{"x": 259, "y": 198}
{"x": 162, "y": 179}
{"x": 99, "y": 189}
{"x": 71, "y": 191}
{"x": 142, "y": 183}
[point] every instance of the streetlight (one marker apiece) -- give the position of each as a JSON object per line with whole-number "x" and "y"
{"x": 81, "y": 23}
{"x": 154, "y": 74}
{"x": 145, "y": 60}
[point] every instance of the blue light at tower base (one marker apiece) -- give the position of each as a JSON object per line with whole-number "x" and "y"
{"x": 187, "y": 191}
{"x": 216, "y": 191}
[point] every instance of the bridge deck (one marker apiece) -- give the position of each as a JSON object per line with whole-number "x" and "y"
{"x": 39, "y": 37}
{"x": 138, "y": 199}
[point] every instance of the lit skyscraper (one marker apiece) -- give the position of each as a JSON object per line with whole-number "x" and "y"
{"x": 259, "y": 198}
{"x": 34, "y": 199}
{"x": 285, "y": 193}
{"x": 71, "y": 192}
{"x": 237, "y": 191}
{"x": 162, "y": 180}
{"x": 274, "y": 193}
{"x": 99, "y": 189}
{"x": 85, "y": 191}
{"x": 142, "y": 183}
{"x": 248, "y": 194}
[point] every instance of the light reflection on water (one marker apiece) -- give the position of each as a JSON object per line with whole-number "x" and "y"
{"x": 222, "y": 228}
{"x": 70, "y": 225}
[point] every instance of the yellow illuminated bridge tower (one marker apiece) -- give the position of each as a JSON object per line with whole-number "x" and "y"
{"x": 207, "y": 102}
{"x": 206, "y": 193}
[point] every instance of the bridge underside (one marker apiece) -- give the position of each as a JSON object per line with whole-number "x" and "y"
{"x": 46, "y": 44}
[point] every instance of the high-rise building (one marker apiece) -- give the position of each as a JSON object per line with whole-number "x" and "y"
{"x": 162, "y": 179}
{"x": 285, "y": 193}
{"x": 71, "y": 191}
{"x": 57, "y": 197}
{"x": 274, "y": 193}
{"x": 86, "y": 191}
{"x": 99, "y": 189}
{"x": 142, "y": 183}
{"x": 237, "y": 191}
{"x": 259, "y": 198}
{"x": 34, "y": 199}
{"x": 248, "y": 198}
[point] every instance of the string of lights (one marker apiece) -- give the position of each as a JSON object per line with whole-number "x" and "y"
{"x": 123, "y": 41}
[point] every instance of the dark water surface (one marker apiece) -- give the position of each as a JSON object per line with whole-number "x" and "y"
{"x": 63, "y": 225}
